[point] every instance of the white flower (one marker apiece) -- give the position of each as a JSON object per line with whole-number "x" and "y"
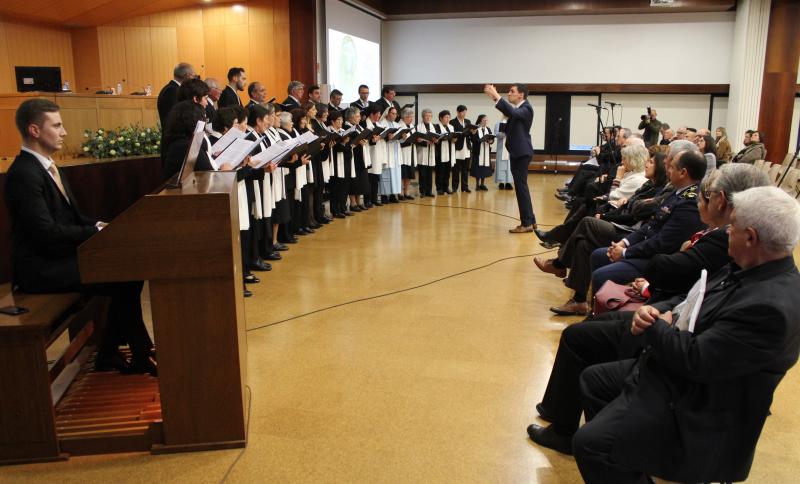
{"x": 99, "y": 131}
{"x": 85, "y": 135}
{"x": 120, "y": 139}
{"x": 111, "y": 142}
{"x": 86, "y": 148}
{"x": 137, "y": 143}
{"x": 112, "y": 152}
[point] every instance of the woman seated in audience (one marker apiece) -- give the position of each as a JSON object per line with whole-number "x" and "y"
{"x": 630, "y": 177}
{"x": 481, "y": 153}
{"x": 708, "y": 147}
{"x": 668, "y": 275}
{"x": 390, "y": 176}
{"x": 408, "y": 154}
{"x": 724, "y": 153}
{"x": 754, "y": 151}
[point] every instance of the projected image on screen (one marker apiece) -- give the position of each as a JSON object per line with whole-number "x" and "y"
{"x": 353, "y": 61}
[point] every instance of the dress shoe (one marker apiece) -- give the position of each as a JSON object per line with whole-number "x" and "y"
{"x": 519, "y": 229}
{"x": 378, "y": 204}
{"x": 541, "y": 235}
{"x": 547, "y": 437}
{"x": 147, "y": 365}
{"x": 315, "y": 226}
{"x": 366, "y": 206}
{"x": 247, "y": 293}
{"x": 466, "y": 190}
{"x": 273, "y": 256}
{"x": 309, "y": 230}
{"x": 279, "y": 247}
{"x": 384, "y": 199}
{"x": 393, "y": 199}
{"x": 251, "y": 279}
{"x": 562, "y": 190}
{"x": 569, "y": 205}
{"x": 260, "y": 265}
{"x": 439, "y": 192}
{"x": 571, "y": 308}
{"x": 550, "y": 245}
{"x": 544, "y": 414}
{"x": 301, "y": 232}
{"x": 338, "y": 215}
{"x": 292, "y": 240}
{"x": 509, "y": 186}
{"x": 546, "y": 265}
{"x": 562, "y": 196}
{"x": 356, "y": 209}
{"x": 111, "y": 362}
{"x": 449, "y": 192}
{"x": 484, "y": 188}
{"x": 349, "y": 214}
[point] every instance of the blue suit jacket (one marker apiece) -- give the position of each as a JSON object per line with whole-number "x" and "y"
{"x": 518, "y": 127}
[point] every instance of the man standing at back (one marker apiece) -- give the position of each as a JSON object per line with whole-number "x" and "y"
{"x": 520, "y": 148}
{"x": 236, "y": 82}
{"x": 168, "y": 96}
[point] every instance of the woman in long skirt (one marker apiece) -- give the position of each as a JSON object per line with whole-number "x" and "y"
{"x": 502, "y": 170}
{"x": 482, "y": 153}
{"x": 408, "y": 154}
{"x": 390, "y": 177}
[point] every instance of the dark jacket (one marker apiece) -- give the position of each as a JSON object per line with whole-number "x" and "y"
{"x": 458, "y": 127}
{"x": 46, "y": 230}
{"x": 289, "y": 103}
{"x": 229, "y": 97}
{"x": 671, "y": 274}
{"x": 750, "y": 154}
{"x": 167, "y": 97}
{"x": 518, "y": 128}
{"x": 652, "y": 129}
{"x": 211, "y": 112}
{"x": 384, "y": 105}
{"x": 641, "y": 206}
{"x": 674, "y": 223}
{"x": 696, "y": 403}
{"x": 175, "y": 153}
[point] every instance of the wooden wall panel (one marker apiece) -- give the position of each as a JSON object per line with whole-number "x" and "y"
{"x": 31, "y": 45}
{"x": 215, "y": 64}
{"x": 86, "y": 53}
{"x": 7, "y": 80}
{"x": 282, "y": 60}
{"x": 164, "y": 55}
{"x": 138, "y": 59}
{"x": 113, "y": 66}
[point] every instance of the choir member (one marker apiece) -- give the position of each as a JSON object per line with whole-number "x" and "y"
{"x": 306, "y": 223}
{"x": 214, "y": 92}
{"x": 426, "y": 155}
{"x": 294, "y": 99}
{"x": 281, "y": 212}
{"x": 236, "y": 82}
{"x": 336, "y": 101}
{"x": 359, "y": 185}
{"x": 387, "y": 99}
{"x": 445, "y": 154}
{"x": 168, "y": 96}
{"x": 408, "y": 154}
{"x": 343, "y": 171}
{"x": 481, "y": 154}
{"x": 463, "y": 154}
{"x": 502, "y": 170}
{"x": 390, "y": 177}
{"x": 377, "y": 154}
{"x": 257, "y": 93}
{"x": 295, "y": 182}
{"x": 363, "y": 102}
{"x": 320, "y": 161}
{"x": 196, "y": 91}
{"x": 314, "y": 94}
{"x": 177, "y": 137}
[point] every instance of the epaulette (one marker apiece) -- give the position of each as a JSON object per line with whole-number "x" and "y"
{"x": 690, "y": 193}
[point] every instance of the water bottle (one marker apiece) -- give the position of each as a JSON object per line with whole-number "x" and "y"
{"x": 65, "y": 88}
{"x": 119, "y": 87}
{"x": 149, "y": 89}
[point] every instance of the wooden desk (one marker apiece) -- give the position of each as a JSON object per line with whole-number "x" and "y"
{"x": 79, "y": 112}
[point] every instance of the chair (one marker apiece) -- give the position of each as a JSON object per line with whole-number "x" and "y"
{"x": 773, "y": 173}
{"x": 759, "y": 164}
{"x": 790, "y": 181}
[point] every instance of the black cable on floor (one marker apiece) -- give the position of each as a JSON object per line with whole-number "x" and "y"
{"x": 369, "y": 298}
{"x": 246, "y": 435}
{"x": 470, "y": 208}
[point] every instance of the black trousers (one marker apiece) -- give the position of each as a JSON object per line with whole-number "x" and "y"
{"x": 246, "y": 242}
{"x": 602, "y": 339}
{"x": 461, "y": 175}
{"x": 443, "y": 176}
{"x": 319, "y": 198}
{"x": 340, "y": 188}
{"x": 425, "y": 180}
{"x": 576, "y": 252}
{"x": 606, "y": 407}
{"x": 306, "y": 205}
{"x": 584, "y": 175}
{"x": 561, "y": 233}
{"x": 519, "y": 170}
{"x": 374, "y": 181}
{"x": 125, "y": 324}
{"x": 264, "y": 242}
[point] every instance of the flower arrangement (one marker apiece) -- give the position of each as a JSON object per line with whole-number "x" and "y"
{"x": 130, "y": 141}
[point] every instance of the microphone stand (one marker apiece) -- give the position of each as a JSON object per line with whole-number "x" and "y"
{"x": 793, "y": 162}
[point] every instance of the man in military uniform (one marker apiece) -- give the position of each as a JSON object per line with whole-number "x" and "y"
{"x": 675, "y": 221}
{"x": 575, "y": 255}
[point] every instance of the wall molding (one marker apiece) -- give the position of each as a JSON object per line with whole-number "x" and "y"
{"x": 536, "y": 88}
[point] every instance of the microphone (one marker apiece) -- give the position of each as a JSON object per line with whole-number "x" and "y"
{"x": 613, "y": 104}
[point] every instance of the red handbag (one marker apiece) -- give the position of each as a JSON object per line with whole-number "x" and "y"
{"x": 617, "y": 297}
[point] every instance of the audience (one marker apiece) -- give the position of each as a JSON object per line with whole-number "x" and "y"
{"x": 754, "y": 149}
{"x": 724, "y": 154}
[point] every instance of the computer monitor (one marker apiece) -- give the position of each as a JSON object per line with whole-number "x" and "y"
{"x": 47, "y": 79}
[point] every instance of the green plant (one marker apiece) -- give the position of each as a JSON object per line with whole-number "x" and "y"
{"x": 130, "y": 141}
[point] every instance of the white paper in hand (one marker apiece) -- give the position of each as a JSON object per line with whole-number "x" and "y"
{"x": 226, "y": 140}
{"x": 689, "y": 309}
{"x": 237, "y": 151}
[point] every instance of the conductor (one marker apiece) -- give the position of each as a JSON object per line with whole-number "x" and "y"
{"x": 520, "y": 149}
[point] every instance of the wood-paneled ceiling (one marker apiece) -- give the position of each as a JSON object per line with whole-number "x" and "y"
{"x": 87, "y": 13}
{"x": 416, "y": 9}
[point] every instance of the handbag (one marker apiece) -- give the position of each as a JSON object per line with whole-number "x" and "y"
{"x": 617, "y": 297}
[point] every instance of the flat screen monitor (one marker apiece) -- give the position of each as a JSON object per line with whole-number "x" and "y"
{"x": 47, "y": 79}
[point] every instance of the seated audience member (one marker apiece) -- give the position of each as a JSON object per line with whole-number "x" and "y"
{"x": 46, "y": 229}
{"x": 607, "y": 337}
{"x": 691, "y": 134}
{"x": 753, "y": 151}
{"x": 676, "y": 220}
{"x": 630, "y": 176}
{"x": 605, "y": 158}
{"x": 666, "y": 136}
{"x": 708, "y": 147}
{"x": 692, "y": 406}
{"x": 724, "y": 153}
{"x": 667, "y": 275}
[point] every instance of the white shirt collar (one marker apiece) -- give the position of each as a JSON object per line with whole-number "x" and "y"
{"x": 46, "y": 162}
{"x": 296, "y": 100}
{"x": 176, "y": 82}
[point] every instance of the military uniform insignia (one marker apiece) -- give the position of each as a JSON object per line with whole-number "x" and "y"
{"x": 690, "y": 193}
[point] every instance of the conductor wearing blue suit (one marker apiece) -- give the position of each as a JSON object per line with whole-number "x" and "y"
{"x": 520, "y": 149}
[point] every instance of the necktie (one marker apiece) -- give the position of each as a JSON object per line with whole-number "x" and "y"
{"x": 54, "y": 171}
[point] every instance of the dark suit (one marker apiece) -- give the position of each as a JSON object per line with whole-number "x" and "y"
{"x": 211, "y": 111}
{"x": 332, "y": 108}
{"x": 692, "y": 406}
{"x": 167, "y": 97}
{"x": 384, "y": 105}
{"x": 520, "y": 151}
{"x": 361, "y": 105}
{"x": 229, "y": 97}
{"x": 290, "y": 103}
{"x": 461, "y": 168}
{"x": 46, "y": 230}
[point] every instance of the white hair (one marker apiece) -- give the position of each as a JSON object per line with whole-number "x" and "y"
{"x": 637, "y": 156}
{"x": 427, "y": 111}
{"x": 733, "y": 178}
{"x": 680, "y": 145}
{"x": 772, "y": 213}
{"x": 405, "y": 112}
{"x": 285, "y": 118}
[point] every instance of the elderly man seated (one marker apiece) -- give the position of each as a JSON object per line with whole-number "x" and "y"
{"x": 692, "y": 406}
